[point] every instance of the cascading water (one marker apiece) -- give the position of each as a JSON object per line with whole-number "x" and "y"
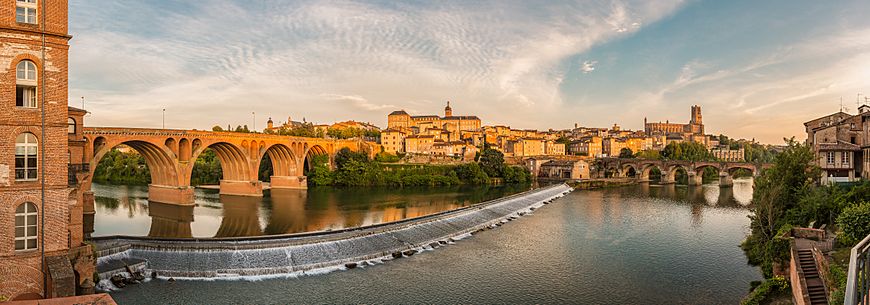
{"x": 312, "y": 253}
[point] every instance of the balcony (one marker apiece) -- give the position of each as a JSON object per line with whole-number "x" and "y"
{"x": 73, "y": 169}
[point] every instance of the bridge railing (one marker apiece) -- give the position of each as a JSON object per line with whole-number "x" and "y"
{"x": 858, "y": 281}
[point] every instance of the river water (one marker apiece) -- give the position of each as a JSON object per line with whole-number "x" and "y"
{"x": 643, "y": 244}
{"x": 125, "y": 210}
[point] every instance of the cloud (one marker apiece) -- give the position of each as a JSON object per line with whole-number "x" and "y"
{"x": 588, "y": 66}
{"x": 358, "y": 102}
{"x": 218, "y": 58}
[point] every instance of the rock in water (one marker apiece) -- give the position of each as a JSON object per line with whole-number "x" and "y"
{"x": 350, "y": 265}
{"x": 397, "y": 254}
{"x": 409, "y": 252}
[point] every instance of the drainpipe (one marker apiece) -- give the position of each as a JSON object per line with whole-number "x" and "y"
{"x": 42, "y": 167}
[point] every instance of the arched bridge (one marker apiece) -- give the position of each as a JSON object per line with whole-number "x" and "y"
{"x": 640, "y": 168}
{"x": 171, "y": 154}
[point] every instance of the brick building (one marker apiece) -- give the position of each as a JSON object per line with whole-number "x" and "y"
{"x": 40, "y": 214}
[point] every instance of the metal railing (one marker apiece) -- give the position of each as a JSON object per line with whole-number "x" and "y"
{"x": 73, "y": 169}
{"x": 858, "y": 283}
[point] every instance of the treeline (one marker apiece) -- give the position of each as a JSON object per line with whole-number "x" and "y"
{"x": 788, "y": 195}
{"x": 118, "y": 167}
{"x": 308, "y": 130}
{"x": 356, "y": 169}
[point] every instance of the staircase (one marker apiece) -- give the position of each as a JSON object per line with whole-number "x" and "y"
{"x": 815, "y": 286}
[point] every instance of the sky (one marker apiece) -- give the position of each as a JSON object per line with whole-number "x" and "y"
{"x": 758, "y": 69}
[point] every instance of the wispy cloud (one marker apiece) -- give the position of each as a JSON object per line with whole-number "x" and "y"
{"x": 213, "y": 59}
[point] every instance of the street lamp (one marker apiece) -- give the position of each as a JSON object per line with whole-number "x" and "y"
{"x": 254, "y": 115}
{"x": 164, "y": 118}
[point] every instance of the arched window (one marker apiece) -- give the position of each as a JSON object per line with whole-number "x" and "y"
{"x": 25, "y": 157}
{"x": 25, "y": 226}
{"x": 25, "y": 85}
{"x": 70, "y": 125}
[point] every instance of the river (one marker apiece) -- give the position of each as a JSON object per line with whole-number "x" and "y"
{"x": 644, "y": 244}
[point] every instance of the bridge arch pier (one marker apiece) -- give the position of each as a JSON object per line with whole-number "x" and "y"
{"x": 725, "y": 179}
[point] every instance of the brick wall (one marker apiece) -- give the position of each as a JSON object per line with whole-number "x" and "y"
{"x": 21, "y": 271}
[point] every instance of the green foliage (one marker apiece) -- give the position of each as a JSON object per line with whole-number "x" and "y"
{"x": 777, "y": 191}
{"x": 766, "y": 291}
{"x": 122, "y": 168}
{"x": 752, "y": 152}
{"x": 217, "y": 128}
{"x": 649, "y": 155}
{"x": 839, "y": 277}
{"x": 492, "y": 162}
{"x": 305, "y": 130}
{"x": 516, "y": 174}
{"x": 352, "y": 132}
{"x": 855, "y": 223}
{"x": 687, "y": 151}
{"x": 385, "y": 157}
{"x": 471, "y": 173}
{"x": 206, "y": 169}
{"x": 626, "y": 153}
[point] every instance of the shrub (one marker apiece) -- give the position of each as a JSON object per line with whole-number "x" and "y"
{"x": 855, "y": 223}
{"x": 767, "y": 290}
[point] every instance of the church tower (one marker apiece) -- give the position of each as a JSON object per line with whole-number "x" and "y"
{"x": 448, "y": 112}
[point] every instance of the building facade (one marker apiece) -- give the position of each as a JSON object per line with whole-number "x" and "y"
{"x": 695, "y": 125}
{"x": 728, "y": 155}
{"x": 40, "y": 213}
{"x": 839, "y": 141}
{"x": 401, "y": 119}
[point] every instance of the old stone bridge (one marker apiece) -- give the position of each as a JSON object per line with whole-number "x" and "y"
{"x": 640, "y": 169}
{"x": 170, "y": 156}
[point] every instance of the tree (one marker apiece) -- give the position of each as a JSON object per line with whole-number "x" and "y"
{"x": 626, "y": 153}
{"x": 777, "y": 191}
{"x": 855, "y": 222}
{"x": 217, "y": 128}
{"x": 492, "y": 162}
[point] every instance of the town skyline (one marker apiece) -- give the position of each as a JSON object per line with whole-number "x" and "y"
{"x": 606, "y": 62}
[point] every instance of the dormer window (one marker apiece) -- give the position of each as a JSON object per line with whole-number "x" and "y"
{"x": 25, "y": 11}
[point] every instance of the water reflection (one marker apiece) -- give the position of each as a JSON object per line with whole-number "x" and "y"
{"x": 125, "y": 210}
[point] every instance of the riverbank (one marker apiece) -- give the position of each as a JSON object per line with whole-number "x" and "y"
{"x": 198, "y": 258}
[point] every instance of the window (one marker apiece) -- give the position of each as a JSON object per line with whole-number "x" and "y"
{"x": 70, "y": 125}
{"x": 25, "y": 157}
{"x": 25, "y": 89}
{"x": 25, "y": 11}
{"x": 830, "y": 158}
{"x": 25, "y": 227}
{"x": 845, "y": 158}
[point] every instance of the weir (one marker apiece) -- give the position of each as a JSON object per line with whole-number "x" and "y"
{"x": 301, "y": 253}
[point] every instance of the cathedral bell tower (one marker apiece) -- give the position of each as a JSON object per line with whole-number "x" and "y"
{"x": 447, "y": 110}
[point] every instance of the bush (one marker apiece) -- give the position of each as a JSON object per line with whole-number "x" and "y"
{"x": 766, "y": 291}
{"x": 387, "y": 157}
{"x": 855, "y": 223}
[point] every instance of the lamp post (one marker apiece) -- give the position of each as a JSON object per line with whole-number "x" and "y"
{"x": 254, "y": 116}
{"x": 164, "y": 118}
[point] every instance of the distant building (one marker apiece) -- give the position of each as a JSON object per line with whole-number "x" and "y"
{"x": 837, "y": 142}
{"x": 695, "y": 125}
{"x": 393, "y": 140}
{"x": 728, "y": 155}
{"x": 449, "y": 122}
{"x": 564, "y": 169}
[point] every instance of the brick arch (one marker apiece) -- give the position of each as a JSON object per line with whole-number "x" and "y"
{"x": 732, "y": 168}
{"x": 234, "y": 161}
{"x": 284, "y": 161}
{"x": 699, "y": 170}
{"x": 24, "y": 56}
{"x": 161, "y": 162}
